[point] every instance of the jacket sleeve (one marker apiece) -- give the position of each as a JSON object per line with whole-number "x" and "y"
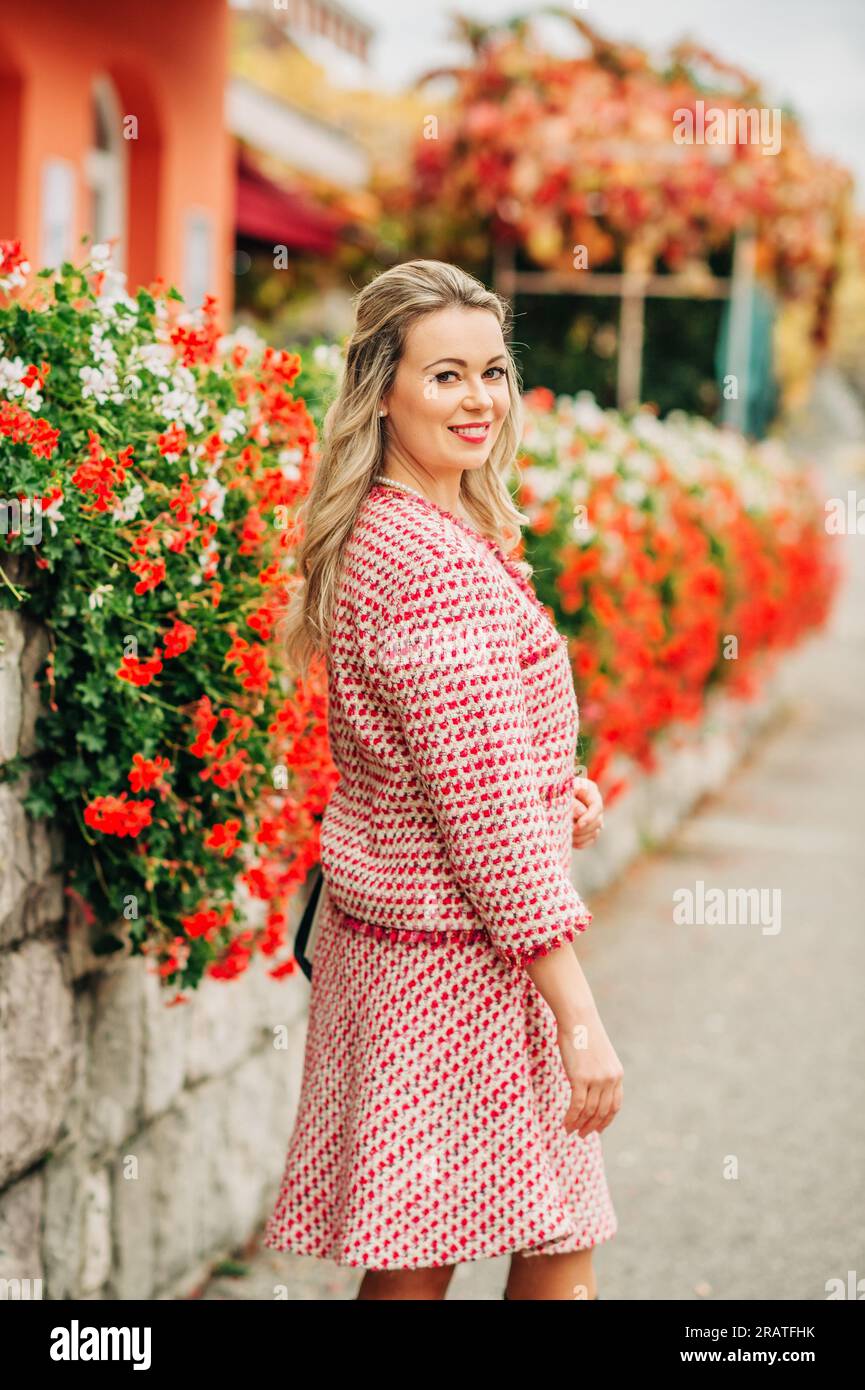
{"x": 446, "y": 661}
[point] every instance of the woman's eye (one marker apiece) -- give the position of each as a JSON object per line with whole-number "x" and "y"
{"x": 450, "y": 372}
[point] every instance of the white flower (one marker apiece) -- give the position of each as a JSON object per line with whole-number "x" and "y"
{"x": 95, "y": 599}
{"x": 212, "y": 488}
{"x": 112, "y": 300}
{"x": 53, "y": 514}
{"x": 632, "y": 490}
{"x": 532, "y": 436}
{"x": 233, "y": 425}
{"x": 155, "y": 358}
{"x": 288, "y": 460}
{"x": 101, "y": 385}
{"x": 544, "y": 482}
{"x": 12, "y": 369}
{"x": 16, "y": 278}
{"x": 128, "y": 507}
{"x": 245, "y": 337}
{"x": 599, "y": 463}
{"x": 101, "y": 346}
{"x": 180, "y": 402}
{"x": 587, "y": 414}
{"x": 329, "y": 355}
{"x": 646, "y": 425}
{"x": 208, "y": 556}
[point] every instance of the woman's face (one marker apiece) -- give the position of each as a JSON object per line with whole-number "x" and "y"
{"x": 452, "y": 374}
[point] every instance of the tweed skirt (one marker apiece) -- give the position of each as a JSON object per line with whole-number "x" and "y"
{"x": 429, "y": 1124}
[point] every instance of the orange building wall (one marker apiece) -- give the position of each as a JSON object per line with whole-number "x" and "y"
{"x": 167, "y": 60}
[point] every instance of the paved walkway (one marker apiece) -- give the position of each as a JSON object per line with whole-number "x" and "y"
{"x": 736, "y": 1161}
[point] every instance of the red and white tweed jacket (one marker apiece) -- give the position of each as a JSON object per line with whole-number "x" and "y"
{"x": 453, "y": 722}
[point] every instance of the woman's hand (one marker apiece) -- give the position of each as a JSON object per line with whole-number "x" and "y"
{"x": 588, "y": 813}
{"x": 591, "y": 1065}
{"x": 595, "y": 1074}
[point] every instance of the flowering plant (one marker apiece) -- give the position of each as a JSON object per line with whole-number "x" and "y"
{"x": 675, "y": 556}
{"x": 560, "y": 155}
{"x": 152, "y": 468}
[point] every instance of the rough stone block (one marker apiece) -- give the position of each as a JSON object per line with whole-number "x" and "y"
{"x": 11, "y": 711}
{"x": 36, "y": 648}
{"x": 230, "y": 1020}
{"x": 137, "y": 1186}
{"x": 36, "y": 1053}
{"x": 63, "y": 1235}
{"x": 20, "y": 1224}
{"x": 116, "y": 1053}
{"x": 97, "y": 1249}
{"x": 15, "y": 869}
{"x": 166, "y": 1041}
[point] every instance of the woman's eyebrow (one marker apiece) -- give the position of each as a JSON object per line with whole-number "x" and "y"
{"x": 459, "y": 361}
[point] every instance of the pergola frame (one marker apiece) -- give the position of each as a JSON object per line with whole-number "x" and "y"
{"x": 633, "y": 286}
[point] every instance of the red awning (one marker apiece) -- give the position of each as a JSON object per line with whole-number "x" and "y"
{"x": 280, "y": 216}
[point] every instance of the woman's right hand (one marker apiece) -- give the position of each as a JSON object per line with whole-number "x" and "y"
{"x": 595, "y": 1073}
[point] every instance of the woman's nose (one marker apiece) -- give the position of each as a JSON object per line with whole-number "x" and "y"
{"x": 479, "y": 394}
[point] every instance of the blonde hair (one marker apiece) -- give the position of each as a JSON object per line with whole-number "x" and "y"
{"x": 354, "y": 436}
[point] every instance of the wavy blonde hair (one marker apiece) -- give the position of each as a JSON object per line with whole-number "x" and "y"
{"x": 354, "y": 439}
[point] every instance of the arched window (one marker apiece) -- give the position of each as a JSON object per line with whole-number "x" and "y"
{"x": 106, "y": 170}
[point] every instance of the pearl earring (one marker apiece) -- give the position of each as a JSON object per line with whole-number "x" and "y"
{"x": 382, "y": 412}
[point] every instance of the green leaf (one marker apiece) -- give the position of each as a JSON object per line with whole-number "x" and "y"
{"x": 91, "y": 739}
{"x": 39, "y": 804}
{"x": 12, "y": 769}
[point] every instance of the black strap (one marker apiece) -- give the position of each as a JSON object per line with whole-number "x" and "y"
{"x": 302, "y": 934}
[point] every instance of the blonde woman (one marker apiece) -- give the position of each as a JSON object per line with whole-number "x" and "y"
{"x": 457, "y": 1075}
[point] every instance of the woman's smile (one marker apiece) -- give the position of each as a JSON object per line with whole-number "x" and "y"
{"x": 472, "y": 434}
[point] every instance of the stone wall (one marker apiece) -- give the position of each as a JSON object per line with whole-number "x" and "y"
{"x": 141, "y": 1143}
